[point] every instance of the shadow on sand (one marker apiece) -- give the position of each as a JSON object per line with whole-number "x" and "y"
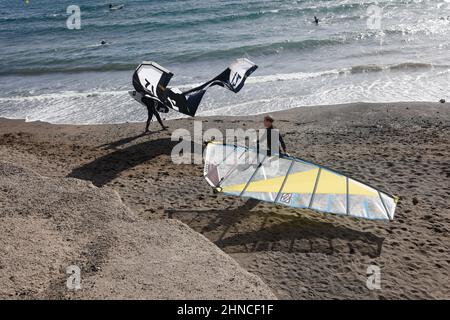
{"x": 246, "y": 230}
{"x": 240, "y": 229}
{"x": 114, "y": 145}
{"x": 104, "y": 169}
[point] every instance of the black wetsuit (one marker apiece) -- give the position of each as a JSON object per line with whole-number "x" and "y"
{"x": 280, "y": 139}
{"x": 151, "y": 108}
{"x": 268, "y": 135}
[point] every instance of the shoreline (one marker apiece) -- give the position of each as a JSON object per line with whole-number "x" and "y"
{"x": 401, "y": 147}
{"x": 231, "y": 116}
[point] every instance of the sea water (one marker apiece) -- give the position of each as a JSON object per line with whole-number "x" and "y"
{"x": 361, "y": 51}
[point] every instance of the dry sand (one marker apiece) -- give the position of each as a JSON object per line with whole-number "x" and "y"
{"x": 48, "y": 224}
{"x": 402, "y": 148}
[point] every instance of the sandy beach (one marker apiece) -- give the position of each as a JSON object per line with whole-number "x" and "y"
{"x": 285, "y": 253}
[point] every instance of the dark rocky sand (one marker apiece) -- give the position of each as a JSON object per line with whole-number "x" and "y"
{"x": 402, "y": 148}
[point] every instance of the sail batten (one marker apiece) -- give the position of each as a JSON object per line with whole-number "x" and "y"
{"x": 284, "y": 181}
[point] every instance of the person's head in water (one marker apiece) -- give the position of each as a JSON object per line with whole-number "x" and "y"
{"x": 103, "y": 42}
{"x": 268, "y": 121}
{"x": 110, "y": 5}
{"x": 316, "y": 20}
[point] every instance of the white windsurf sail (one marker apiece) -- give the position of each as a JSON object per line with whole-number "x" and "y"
{"x": 243, "y": 172}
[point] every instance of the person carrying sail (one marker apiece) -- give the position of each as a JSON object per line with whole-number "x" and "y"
{"x": 152, "y": 105}
{"x": 269, "y": 134}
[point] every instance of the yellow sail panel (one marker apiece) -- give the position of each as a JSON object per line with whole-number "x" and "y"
{"x": 357, "y": 188}
{"x": 331, "y": 183}
{"x": 296, "y": 183}
{"x": 267, "y": 178}
{"x": 270, "y": 185}
{"x": 301, "y": 182}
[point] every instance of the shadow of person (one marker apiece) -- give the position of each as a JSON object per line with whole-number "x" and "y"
{"x": 118, "y": 143}
{"x": 104, "y": 169}
{"x": 245, "y": 230}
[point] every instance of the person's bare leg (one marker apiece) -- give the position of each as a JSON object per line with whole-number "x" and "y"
{"x": 160, "y": 121}
{"x": 149, "y": 119}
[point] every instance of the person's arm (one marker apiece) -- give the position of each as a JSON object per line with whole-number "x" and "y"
{"x": 283, "y": 145}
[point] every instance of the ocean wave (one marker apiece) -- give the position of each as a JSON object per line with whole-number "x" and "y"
{"x": 397, "y": 66}
{"x": 64, "y": 95}
{"x": 151, "y": 23}
{"x": 257, "y": 49}
{"x": 72, "y": 64}
{"x": 365, "y": 68}
{"x": 112, "y": 106}
{"x": 254, "y": 79}
{"x": 368, "y": 68}
{"x": 295, "y": 76}
{"x": 60, "y": 69}
{"x": 162, "y": 18}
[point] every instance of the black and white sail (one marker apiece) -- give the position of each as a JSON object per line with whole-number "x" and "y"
{"x": 151, "y": 80}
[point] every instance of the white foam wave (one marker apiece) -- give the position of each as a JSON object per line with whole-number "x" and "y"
{"x": 426, "y": 83}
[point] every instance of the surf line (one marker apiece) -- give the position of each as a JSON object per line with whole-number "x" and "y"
{"x": 187, "y": 310}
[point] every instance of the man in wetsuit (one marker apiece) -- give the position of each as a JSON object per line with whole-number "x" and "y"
{"x": 151, "y": 105}
{"x": 268, "y": 124}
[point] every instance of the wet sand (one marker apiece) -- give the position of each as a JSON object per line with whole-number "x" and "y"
{"x": 402, "y": 148}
